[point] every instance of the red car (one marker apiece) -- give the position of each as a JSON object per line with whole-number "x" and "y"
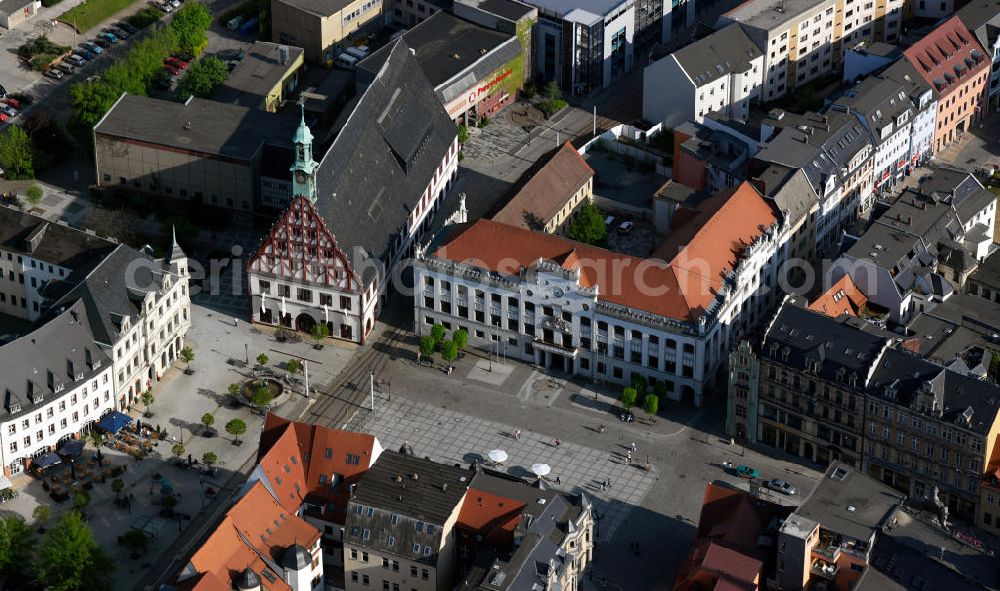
{"x": 3, "y": 117}
{"x": 171, "y": 69}
{"x": 13, "y": 102}
{"x": 175, "y": 63}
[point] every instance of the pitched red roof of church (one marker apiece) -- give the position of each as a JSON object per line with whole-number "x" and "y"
{"x": 681, "y": 286}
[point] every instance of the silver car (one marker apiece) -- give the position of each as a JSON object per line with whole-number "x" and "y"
{"x": 782, "y": 487}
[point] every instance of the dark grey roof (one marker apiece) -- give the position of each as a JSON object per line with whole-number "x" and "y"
{"x": 29, "y": 234}
{"x": 389, "y": 485}
{"x": 13, "y": 6}
{"x": 808, "y": 336}
{"x": 847, "y": 502}
{"x": 112, "y": 290}
{"x": 50, "y": 359}
{"x": 964, "y": 400}
{"x": 295, "y": 557}
{"x": 900, "y": 563}
{"x": 440, "y": 38}
{"x": 879, "y": 102}
{"x": 878, "y": 49}
{"x": 988, "y": 272}
{"x": 247, "y": 580}
{"x": 508, "y": 9}
{"x": 384, "y": 158}
{"x": 952, "y": 327}
{"x": 204, "y": 126}
{"x": 789, "y": 190}
{"x": 322, "y": 8}
{"x": 723, "y": 52}
{"x": 978, "y": 13}
{"x": 260, "y": 70}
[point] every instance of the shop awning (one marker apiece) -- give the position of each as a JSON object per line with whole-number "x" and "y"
{"x": 114, "y": 421}
{"x": 71, "y": 448}
{"x": 47, "y": 460}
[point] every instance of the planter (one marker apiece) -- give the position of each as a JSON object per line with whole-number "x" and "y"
{"x": 189, "y": 372}
{"x": 237, "y": 443}
{"x": 318, "y": 347}
{"x": 148, "y": 414}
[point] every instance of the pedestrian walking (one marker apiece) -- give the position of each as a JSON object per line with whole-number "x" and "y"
{"x": 558, "y": 479}
{"x": 558, "y": 443}
{"x": 633, "y": 446}
{"x": 604, "y": 487}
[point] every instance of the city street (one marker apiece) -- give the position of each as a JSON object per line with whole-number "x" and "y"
{"x": 458, "y": 418}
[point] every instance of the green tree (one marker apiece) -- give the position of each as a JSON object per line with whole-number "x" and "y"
{"x": 42, "y": 514}
{"x": 236, "y": 427}
{"x": 187, "y": 356}
{"x": 118, "y": 485}
{"x": 629, "y": 396}
{"x": 651, "y": 403}
{"x": 427, "y": 345}
{"x": 202, "y": 78}
{"x": 438, "y": 332}
{"x": 449, "y": 350}
{"x": 463, "y": 134}
{"x": 262, "y": 359}
{"x": 293, "y": 366}
{"x": 190, "y": 24}
{"x": 177, "y": 450}
{"x": 16, "y": 153}
{"x": 552, "y": 91}
{"x": 234, "y": 392}
{"x": 209, "y": 458}
{"x": 17, "y": 543}
{"x": 261, "y": 397}
{"x": 147, "y": 399}
{"x": 588, "y": 227}
{"x": 144, "y": 17}
{"x": 461, "y": 338}
{"x": 208, "y": 419}
{"x": 34, "y": 194}
{"x": 80, "y": 500}
{"x": 640, "y": 383}
{"x": 319, "y": 331}
{"x": 68, "y": 558}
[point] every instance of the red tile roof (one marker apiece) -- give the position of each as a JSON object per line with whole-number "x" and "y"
{"x": 295, "y": 455}
{"x": 494, "y": 516}
{"x": 948, "y": 56}
{"x": 843, "y": 297}
{"x": 256, "y": 526}
{"x": 681, "y": 287}
{"x": 548, "y": 191}
{"x": 732, "y": 565}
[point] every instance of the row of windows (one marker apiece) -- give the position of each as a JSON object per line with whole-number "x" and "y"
{"x": 304, "y": 295}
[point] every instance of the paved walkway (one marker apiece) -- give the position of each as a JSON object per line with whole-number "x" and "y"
{"x": 454, "y": 438}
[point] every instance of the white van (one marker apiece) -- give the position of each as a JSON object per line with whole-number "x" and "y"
{"x": 356, "y": 52}
{"x": 346, "y": 61}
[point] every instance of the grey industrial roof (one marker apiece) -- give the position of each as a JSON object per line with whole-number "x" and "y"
{"x": 322, "y": 8}
{"x": 953, "y": 326}
{"x": 562, "y": 8}
{"x": 900, "y": 562}
{"x": 440, "y": 38}
{"x": 508, "y": 9}
{"x": 764, "y": 14}
{"x": 29, "y": 234}
{"x": 12, "y": 6}
{"x": 380, "y": 164}
{"x": 878, "y": 48}
{"x": 725, "y": 51}
{"x": 112, "y": 291}
{"x": 204, "y": 126}
{"x": 848, "y": 502}
{"x": 899, "y": 376}
{"x": 812, "y": 336}
{"x": 260, "y": 70}
{"x": 432, "y": 496}
{"x": 48, "y": 359}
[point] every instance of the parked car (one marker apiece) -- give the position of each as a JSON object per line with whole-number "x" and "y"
{"x": 609, "y": 222}
{"x": 117, "y": 32}
{"x": 747, "y": 472}
{"x": 126, "y": 26}
{"x": 8, "y": 110}
{"x": 625, "y": 228}
{"x": 175, "y": 3}
{"x": 165, "y": 7}
{"x": 92, "y": 47}
{"x": 76, "y": 60}
{"x": 84, "y": 53}
{"x": 173, "y": 71}
{"x": 102, "y": 42}
{"x": 109, "y": 37}
{"x": 55, "y": 74}
{"x": 3, "y": 117}
{"x": 65, "y": 67}
{"x": 12, "y": 102}
{"x": 782, "y": 487}
{"x": 175, "y": 63}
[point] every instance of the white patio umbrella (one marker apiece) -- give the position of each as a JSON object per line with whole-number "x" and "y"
{"x": 540, "y": 469}
{"x": 498, "y": 455}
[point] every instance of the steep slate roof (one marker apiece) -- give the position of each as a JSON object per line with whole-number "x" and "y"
{"x": 386, "y": 155}
{"x": 676, "y": 290}
{"x": 548, "y": 191}
{"x": 254, "y": 534}
{"x": 423, "y": 498}
{"x": 948, "y": 56}
{"x": 51, "y": 355}
{"x": 723, "y": 52}
{"x": 29, "y": 234}
{"x": 878, "y": 101}
{"x": 790, "y": 190}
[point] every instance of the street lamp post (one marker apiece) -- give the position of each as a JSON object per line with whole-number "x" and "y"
{"x": 246, "y": 351}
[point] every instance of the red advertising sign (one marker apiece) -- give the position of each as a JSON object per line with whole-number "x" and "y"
{"x": 478, "y": 93}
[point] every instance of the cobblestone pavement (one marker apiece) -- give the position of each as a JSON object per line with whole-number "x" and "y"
{"x": 454, "y": 438}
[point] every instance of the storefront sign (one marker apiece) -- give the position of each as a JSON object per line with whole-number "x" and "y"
{"x": 476, "y": 94}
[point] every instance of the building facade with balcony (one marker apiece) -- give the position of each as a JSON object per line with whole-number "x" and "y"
{"x": 586, "y": 311}
{"x": 57, "y": 383}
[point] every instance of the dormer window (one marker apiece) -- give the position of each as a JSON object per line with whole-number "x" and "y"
{"x": 15, "y": 408}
